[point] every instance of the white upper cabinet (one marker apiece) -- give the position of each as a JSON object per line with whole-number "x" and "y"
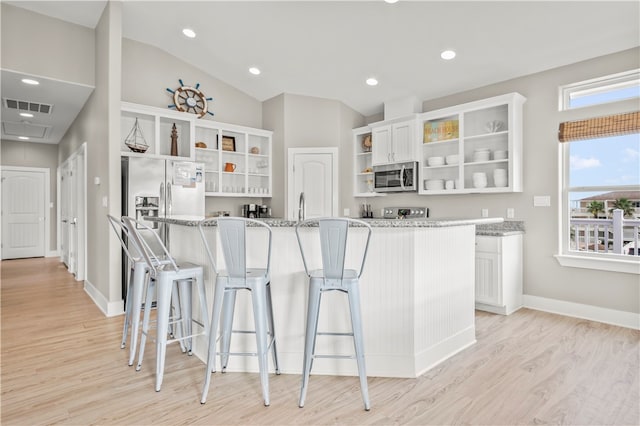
{"x": 237, "y": 159}
{"x": 473, "y": 148}
{"x": 154, "y": 128}
{"x": 394, "y": 142}
{"x": 363, "y": 163}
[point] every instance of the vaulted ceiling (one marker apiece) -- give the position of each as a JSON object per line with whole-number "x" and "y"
{"x": 328, "y": 49}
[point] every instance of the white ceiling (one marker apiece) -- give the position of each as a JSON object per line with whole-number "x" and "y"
{"x": 328, "y": 48}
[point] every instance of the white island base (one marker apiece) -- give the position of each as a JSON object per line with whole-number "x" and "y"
{"x": 417, "y": 296}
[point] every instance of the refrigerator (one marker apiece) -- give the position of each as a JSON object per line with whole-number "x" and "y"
{"x": 157, "y": 187}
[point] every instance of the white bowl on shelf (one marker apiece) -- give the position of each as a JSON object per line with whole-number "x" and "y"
{"x": 452, "y": 159}
{"x": 435, "y": 161}
{"x": 481, "y": 155}
{"x": 433, "y": 184}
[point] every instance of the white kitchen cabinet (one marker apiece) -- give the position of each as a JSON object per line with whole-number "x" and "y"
{"x": 394, "y": 142}
{"x": 491, "y": 125}
{"x": 363, "y": 164}
{"x": 237, "y": 159}
{"x": 155, "y": 125}
{"x": 499, "y": 273}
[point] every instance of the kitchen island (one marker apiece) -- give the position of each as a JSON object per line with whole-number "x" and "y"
{"x": 417, "y": 295}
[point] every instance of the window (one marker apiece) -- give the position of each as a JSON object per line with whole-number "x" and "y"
{"x": 601, "y": 174}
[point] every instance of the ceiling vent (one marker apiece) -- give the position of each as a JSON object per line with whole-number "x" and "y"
{"x": 33, "y": 131}
{"x": 27, "y": 106}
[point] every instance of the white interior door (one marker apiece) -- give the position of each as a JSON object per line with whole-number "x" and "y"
{"x": 313, "y": 172}
{"x": 73, "y": 213}
{"x": 23, "y": 213}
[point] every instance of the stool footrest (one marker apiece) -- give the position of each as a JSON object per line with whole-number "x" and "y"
{"x": 326, "y": 333}
{"x": 335, "y": 356}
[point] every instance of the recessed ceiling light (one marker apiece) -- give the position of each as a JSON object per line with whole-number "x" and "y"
{"x": 30, "y": 81}
{"x": 189, "y": 33}
{"x": 24, "y": 138}
{"x": 26, "y": 114}
{"x": 254, "y": 70}
{"x": 448, "y": 55}
{"x": 372, "y": 81}
{"x": 391, "y": 1}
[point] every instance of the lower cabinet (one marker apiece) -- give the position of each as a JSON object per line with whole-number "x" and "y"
{"x": 499, "y": 273}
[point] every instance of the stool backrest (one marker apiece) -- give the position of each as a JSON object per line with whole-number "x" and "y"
{"x": 120, "y": 228}
{"x": 157, "y": 260}
{"x": 232, "y": 232}
{"x": 334, "y": 233}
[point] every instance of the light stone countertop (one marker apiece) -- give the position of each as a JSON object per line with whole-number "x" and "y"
{"x": 491, "y": 226}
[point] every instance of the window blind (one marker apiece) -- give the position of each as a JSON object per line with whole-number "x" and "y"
{"x": 600, "y": 127}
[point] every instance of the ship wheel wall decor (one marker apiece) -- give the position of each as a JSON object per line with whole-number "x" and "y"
{"x": 190, "y": 99}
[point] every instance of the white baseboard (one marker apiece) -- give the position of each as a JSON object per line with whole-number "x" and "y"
{"x": 52, "y": 253}
{"x": 578, "y": 310}
{"x": 110, "y": 309}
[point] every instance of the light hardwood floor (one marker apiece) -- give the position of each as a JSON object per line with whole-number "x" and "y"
{"x": 62, "y": 364}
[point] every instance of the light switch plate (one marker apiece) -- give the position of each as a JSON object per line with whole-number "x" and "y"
{"x": 511, "y": 213}
{"x": 485, "y": 212}
{"x": 347, "y": 213}
{"x": 541, "y": 201}
{"x": 105, "y": 201}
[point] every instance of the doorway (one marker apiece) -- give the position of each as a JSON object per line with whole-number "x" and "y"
{"x": 312, "y": 172}
{"x": 25, "y": 212}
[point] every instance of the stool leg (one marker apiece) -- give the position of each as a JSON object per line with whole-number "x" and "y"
{"x": 145, "y": 321}
{"x": 313, "y": 310}
{"x": 185, "y": 294}
{"x": 127, "y": 312}
{"x": 202, "y": 294}
{"x": 228, "y": 308}
{"x": 358, "y": 340}
{"x": 164, "y": 285}
{"x": 259, "y": 299}
{"x": 136, "y": 289}
{"x": 213, "y": 334}
{"x": 272, "y": 329}
{"x": 175, "y": 322}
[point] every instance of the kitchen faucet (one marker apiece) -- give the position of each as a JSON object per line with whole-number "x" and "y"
{"x": 301, "y": 207}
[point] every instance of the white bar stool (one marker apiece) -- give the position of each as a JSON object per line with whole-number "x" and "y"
{"x": 333, "y": 277}
{"x": 164, "y": 269}
{"x": 232, "y": 234}
{"x": 138, "y": 277}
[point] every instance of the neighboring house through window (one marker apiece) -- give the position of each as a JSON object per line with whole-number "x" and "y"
{"x": 600, "y": 163}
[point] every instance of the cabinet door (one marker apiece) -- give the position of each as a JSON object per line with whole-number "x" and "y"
{"x": 381, "y": 149}
{"x": 403, "y": 142}
{"x": 488, "y": 280}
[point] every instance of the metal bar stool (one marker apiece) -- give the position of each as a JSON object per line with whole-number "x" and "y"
{"x": 137, "y": 278}
{"x": 164, "y": 269}
{"x": 232, "y": 235}
{"x": 333, "y": 277}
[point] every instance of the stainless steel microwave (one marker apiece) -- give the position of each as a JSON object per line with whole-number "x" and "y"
{"x": 401, "y": 177}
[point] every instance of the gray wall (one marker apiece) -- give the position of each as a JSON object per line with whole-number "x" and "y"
{"x": 309, "y": 122}
{"x": 543, "y": 276}
{"x": 44, "y": 46}
{"x": 98, "y": 124}
{"x": 26, "y": 154}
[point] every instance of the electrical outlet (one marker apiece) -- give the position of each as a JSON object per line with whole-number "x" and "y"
{"x": 511, "y": 213}
{"x": 347, "y": 213}
{"x": 541, "y": 201}
{"x": 485, "y": 212}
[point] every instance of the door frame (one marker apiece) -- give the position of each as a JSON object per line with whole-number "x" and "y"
{"x": 291, "y": 196}
{"x": 47, "y": 201}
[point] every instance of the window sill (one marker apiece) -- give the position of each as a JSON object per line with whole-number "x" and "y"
{"x": 600, "y": 263}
